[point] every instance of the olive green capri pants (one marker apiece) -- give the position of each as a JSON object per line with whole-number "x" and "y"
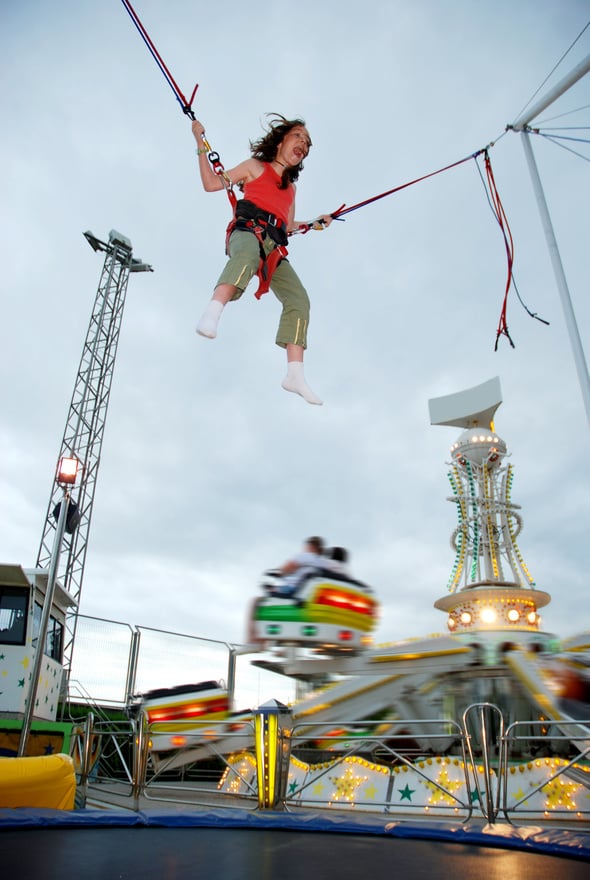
{"x": 244, "y": 257}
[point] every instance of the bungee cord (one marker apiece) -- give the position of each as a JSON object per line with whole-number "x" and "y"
{"x": 185, "y": 105}
{"x": 339, "y": 213}
{"x": 500, "y": 216}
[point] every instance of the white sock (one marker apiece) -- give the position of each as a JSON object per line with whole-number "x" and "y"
{"x": 207, "y": 325}
{"x": 295, "y": 381}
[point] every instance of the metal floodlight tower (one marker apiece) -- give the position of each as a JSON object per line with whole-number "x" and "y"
{"x": 84, "y": 431}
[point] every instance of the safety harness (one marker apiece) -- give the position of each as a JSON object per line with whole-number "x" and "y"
{"x": 250, "y": 218}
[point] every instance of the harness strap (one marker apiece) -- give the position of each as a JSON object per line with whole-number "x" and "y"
{"x": 267, "y": 265}
{"x": 250, "y": 218}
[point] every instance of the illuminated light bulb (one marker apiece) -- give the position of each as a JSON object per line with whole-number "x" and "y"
{"x": 488, "y": 615}
{"x": 67, "y": 470}
{"x": 466, "y": 617}
{"x": 531, "y": 617}
{"x": 513, "y": 615}
{"x": 451, "y": 623}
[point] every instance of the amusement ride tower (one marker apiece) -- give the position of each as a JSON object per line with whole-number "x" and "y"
{"x": 490, "y": 584}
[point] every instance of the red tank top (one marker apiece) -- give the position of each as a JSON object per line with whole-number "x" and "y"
{"x": 265, "y": 193}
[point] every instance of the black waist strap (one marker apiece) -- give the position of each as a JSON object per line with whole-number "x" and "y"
{"x": 248, "y": 213}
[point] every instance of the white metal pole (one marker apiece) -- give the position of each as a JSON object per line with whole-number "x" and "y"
{"x": 570, "y": 318}
{"x": 567, "y": 82}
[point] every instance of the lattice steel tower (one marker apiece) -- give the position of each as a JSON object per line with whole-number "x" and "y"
{"x": 86, "y": 419}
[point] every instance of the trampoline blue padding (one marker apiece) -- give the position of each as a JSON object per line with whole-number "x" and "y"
{"x": 216, "y": 832}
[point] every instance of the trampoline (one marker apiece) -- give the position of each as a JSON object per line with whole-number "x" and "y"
{"x": 245, "y": 846}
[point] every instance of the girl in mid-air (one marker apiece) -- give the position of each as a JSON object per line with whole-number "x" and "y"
{"x": 258, "y": 237}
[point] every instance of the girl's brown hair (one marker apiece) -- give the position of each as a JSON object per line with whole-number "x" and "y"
{"x": 265, "y": 148}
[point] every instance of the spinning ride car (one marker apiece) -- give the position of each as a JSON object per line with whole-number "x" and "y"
{"x": 332, "y": 612}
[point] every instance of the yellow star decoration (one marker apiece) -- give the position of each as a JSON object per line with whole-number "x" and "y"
{"x": 318, "y": 788}
{"x": 241, "y": 772}
{"x": 25, "y": 662}
{"x": 446, "y": 783}
{"x": 370, "y": 792}
{"x": 560, "y": 794}
{"x": 346, "y": 785}
{"x": 241, "y": 768}
{"x": 518, "y": 796}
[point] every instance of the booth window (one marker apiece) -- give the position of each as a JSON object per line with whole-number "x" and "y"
{"x": 55, "y": 634}
{"x": 13, "y": 615}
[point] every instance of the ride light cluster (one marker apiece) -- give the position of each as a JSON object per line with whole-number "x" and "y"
{"x": 501, "y": 612}
{"x": 477, "y": 438}
{"x": 478, "y": 447}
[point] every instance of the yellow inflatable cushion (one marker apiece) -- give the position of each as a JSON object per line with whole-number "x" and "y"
{"x": 46, "y": 781}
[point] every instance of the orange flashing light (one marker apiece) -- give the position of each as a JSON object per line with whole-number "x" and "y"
{"x": 345, "y": 601}
{"x": 191, "y": 710}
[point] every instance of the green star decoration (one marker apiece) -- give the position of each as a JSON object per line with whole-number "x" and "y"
{"x": 21, "y": 683}
{"x": 292, "y": 787}
{"x": 406, "y": 793}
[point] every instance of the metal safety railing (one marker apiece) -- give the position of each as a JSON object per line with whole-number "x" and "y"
{"x": 383, "y": 771}
{"x": 415, "y": 767}
{"x": 558, "y": 773}
{"x": 483, "y": 725}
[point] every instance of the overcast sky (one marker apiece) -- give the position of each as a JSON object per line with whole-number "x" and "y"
{"x": 210, "y": 472}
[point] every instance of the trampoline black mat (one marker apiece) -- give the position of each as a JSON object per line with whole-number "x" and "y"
{"x": 147, "y": 853}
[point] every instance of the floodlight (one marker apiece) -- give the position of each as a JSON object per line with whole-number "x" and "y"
{"x": 67, "y": 471}
{"x": 119, "y": 239}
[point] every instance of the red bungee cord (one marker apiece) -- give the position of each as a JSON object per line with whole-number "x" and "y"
{"x": 186, "y": 106}
{"x": 339, "y": 213}
{"x": 500, "y": 216}
{"x": 344, "y": 210}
